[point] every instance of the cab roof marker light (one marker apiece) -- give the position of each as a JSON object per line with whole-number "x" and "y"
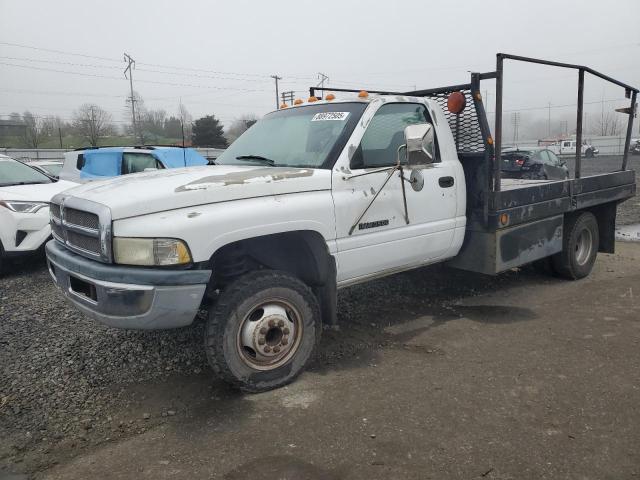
{"x": 284, "y": 105}
{"x": 298, "y": 101}
{"x": 330, "y": 97}
{"x": 363, "y": 94}
{"x": 312, "y": 99}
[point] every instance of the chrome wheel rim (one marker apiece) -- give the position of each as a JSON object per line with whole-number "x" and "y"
{"x": 269, "y": 334}
{"x": 583, "y": 247}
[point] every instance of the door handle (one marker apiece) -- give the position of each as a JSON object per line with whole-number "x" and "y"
{"x": 446, "y": 182}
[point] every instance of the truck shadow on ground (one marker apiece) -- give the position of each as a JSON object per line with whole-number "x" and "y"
{"x": 394, "y": 310}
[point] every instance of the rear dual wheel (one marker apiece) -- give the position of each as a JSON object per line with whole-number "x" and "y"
{"x": 263, "y": 330}
{"x": 581, "y": 240}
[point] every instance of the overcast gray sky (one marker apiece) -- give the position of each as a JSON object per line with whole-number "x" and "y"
{"x": 228, "y": 49}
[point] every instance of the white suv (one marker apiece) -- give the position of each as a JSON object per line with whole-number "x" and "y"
{"x": 24, "y": 207}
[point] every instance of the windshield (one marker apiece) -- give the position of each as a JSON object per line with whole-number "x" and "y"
{"x": 310, "y": 136}
{"x": 13, "y": 172}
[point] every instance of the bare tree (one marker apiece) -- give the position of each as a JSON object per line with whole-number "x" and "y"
{"x": 35, "y": 129}
{"x": 136, "y": 130}
{"x": 153, "y": 122}
{"x": 239, "y": 126}
{"x": 607, "y": 125}
{"x": 92, "y": 122}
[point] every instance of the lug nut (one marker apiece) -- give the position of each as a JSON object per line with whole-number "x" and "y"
{"x": 276, "y": 349}
{"x": 263, "y": 331}
{"x": 267, "y": 349}
{"x": 261, "y": 341}
{"x": 284, "y": 341}
{"x": 272, "y": 323}
{"x": 285, "y": 331}
{"x": 281, "y": 323}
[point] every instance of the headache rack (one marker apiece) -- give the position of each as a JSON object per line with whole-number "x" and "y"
{"x": 510, "y": 224}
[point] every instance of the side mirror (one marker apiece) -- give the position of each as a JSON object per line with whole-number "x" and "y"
{"x": 419, "y": 140}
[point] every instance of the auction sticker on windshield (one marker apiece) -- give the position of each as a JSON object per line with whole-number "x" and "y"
{"x": 330, "y": 116}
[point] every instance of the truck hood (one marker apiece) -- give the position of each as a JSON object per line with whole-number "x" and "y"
{"x": 38, "y": 192}
{"x": 150, "y": 192}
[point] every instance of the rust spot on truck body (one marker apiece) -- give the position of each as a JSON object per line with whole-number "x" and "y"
{"x": 269, "y": 174}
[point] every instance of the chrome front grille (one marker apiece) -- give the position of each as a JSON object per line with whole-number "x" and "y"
{"x": 55, "y": 210}
{"x": 81, "y": 219}
{"x": 83, "y": 242}
{"x": 82, "y": 226}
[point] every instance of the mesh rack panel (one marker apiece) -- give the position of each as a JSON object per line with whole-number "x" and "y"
{"x": 469, "y": 134}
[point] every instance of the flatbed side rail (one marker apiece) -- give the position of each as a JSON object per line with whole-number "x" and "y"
{"x": 630, "y": 92}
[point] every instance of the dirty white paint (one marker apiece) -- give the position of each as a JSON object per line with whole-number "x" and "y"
{"x": 211, "y": 206}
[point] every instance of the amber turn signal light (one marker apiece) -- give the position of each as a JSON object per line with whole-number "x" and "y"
{"x": 456, "y": 102}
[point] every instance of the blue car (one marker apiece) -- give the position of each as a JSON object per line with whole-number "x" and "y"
{"x": 99, "y": 163}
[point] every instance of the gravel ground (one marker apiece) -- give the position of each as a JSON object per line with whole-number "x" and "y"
{"x": 58, "y": 368}
{"x": 62, "y": 372}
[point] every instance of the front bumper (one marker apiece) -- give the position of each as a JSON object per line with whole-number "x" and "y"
{"x": 127, "y": 297}
{"x": 34, "y": 225}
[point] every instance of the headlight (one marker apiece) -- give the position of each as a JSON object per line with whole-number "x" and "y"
{"x": 23, "y": 207}
{"x": 150, "y": 251}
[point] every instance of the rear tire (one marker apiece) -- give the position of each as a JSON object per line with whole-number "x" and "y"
{"x": 579, "y": 247}
{"x": 263, "y": 330}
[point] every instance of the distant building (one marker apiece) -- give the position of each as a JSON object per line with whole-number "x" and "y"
{"x": 12, "y": 128}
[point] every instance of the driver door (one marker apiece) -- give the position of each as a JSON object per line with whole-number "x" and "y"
{"x": 374, "y": 232}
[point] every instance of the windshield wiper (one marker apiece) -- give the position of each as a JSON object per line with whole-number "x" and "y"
{"x": 257, "y": 158}
{"x": 11, "y": 184}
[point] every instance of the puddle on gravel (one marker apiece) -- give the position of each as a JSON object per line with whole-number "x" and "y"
{"x": 628, "y": 233}
{"x": 280, "y": 467}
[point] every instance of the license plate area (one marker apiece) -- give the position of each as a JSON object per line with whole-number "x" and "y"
{"x": 83, "y": 289}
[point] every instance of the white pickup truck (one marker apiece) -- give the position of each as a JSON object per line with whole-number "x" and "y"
{"x": 312, "y": 198}
{"x": 568, "y": 147}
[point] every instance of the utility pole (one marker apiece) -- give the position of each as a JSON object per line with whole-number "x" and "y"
{"x": 60, "y": 135}
{"x": 131, "y": 62}
{"x": 549, "y": 121}
{"x": 288, "y": 96}
{"x": 322, "y": 77}
{"x": 603, "y": 131}
{"x": 276, "y": 78}
{"x": 515, "y": 119}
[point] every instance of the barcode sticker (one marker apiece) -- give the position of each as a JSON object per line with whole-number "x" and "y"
{"x": 341, "y": 116}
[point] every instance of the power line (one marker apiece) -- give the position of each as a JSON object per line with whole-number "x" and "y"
{"x": 94, "y": 75}
{"x": 61, "y": 93}
{"x": 163, "y": 72}
{"x": 59, "y": 51}
{"x": 63, "y": 52}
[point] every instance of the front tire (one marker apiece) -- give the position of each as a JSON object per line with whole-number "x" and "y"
{"x": 579, "y": 247}
{"x": 263, "y": 330}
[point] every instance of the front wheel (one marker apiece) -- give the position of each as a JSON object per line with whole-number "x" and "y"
{"x": 579, "y": 247}
{"x": 263, "y": 330}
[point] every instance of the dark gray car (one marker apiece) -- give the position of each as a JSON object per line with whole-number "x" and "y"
{"x": 533, "y": 164}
